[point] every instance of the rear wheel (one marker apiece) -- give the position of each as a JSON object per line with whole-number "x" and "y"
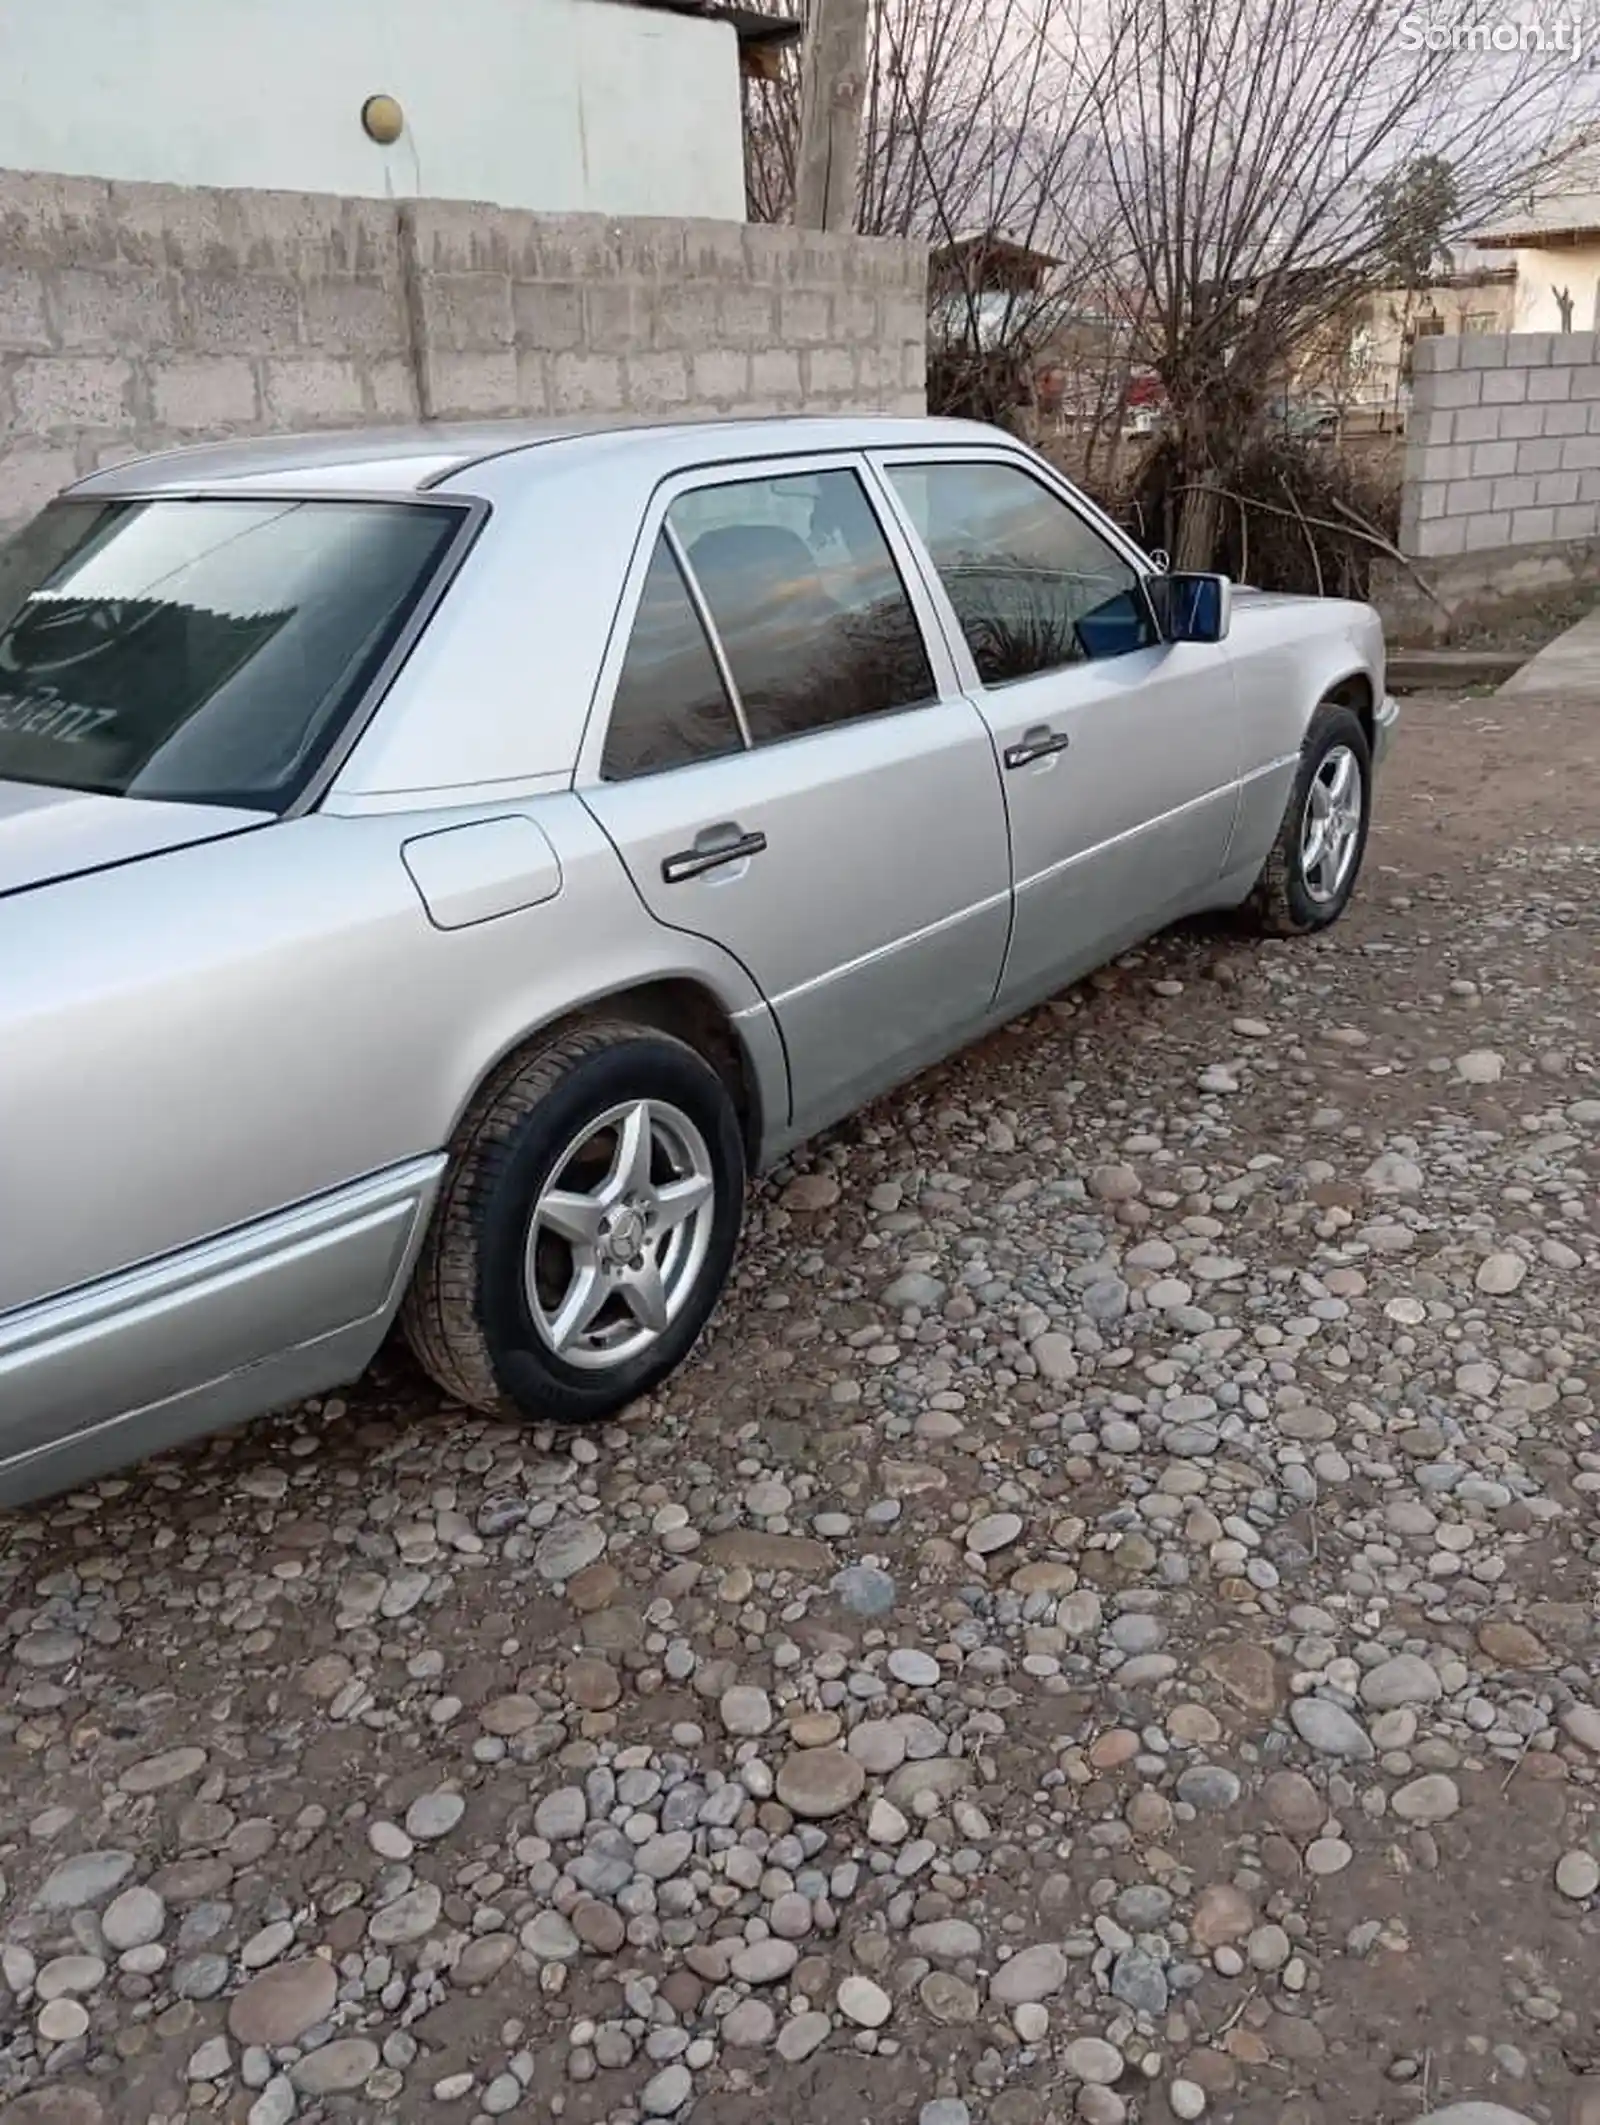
{"x": 585, "y": 1229}
{"x": 1308, "y": 879}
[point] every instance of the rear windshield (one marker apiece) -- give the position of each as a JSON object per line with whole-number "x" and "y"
{"x": 200, "y": 651}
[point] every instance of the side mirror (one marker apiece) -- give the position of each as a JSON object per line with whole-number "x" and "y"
{"x": 1191, "y": 607}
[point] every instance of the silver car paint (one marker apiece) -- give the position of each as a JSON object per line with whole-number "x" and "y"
{"x": 234, "y": 1052}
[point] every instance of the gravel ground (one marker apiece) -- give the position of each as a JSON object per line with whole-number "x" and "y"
{"x": 1104, "y": 1629}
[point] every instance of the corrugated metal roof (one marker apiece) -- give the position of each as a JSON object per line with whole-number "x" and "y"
{"x": 750, "y": 25}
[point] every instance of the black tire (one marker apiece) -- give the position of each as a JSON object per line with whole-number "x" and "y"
{"x": 1283, "y": 903}
{"x": 467, "y": 1314}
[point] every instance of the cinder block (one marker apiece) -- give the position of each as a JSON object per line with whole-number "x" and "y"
{"x": 1531, "y": 527}
{"x": 914, "y": 371}
{"x": 744, "y": 317}
{"x": 462, "y": 383}
{"x": 1433, "y": 355}
{"x": 452, "y": 236}
{"x": 716, "y": 250}
{"x": 533, "y": 381}
{"x": 683, "y": 315}
{"x": 805, "y": 317}
{"x": 776, "y": 253}
{"x": 721, "y": 376}
{"x": 1505, "y": 387}
{"x": 616, "y": 317}
{"x": 55, "y": 221}
{"x": 1489, "y": 460}
{"x": 57, "y": 395}
{"x": 1432, "y": 499}
{"x": 656, "y": 381}
{"x": 392, "y": 390}
{"x": 1562, "y": 418}
{"x": 1589, "y": 486}
{"x": 1554, "y": 489}
{"x": 547, "y": 314}
{"x": 319, "y": 392}
{"x": 1518, "y": 491}
{"x": 1586, "y": 381}
{"x": 1469, "y": 497}
{"x": 586, "y": 383}
{"x": 1546, "y": 385}
{"x": 23, "y": 326}
{"x": 1475, "y": 424}
{"x": 364, "y": 317}
{"x": 466, "y": 313}
{"x": 830, "y": 373}
{"x": 1479, "y": 350}
{"x": 651, "y": 248}
{"x": 1580, "y": 453}
{"x": 194, "y": 393}
{"x": 855, "y": 317}
{"x": 31, "y": 474}
{"x": 1572, "y": 349}
{"x": 1539, "y": 454}
{"x": 116, "y": 310}
{"x": 1442, "y": 537}
{"x": 1517, "y": 423}
{"x": 1579, "y": 521}
{"x": 246, "y": 313}
{"x": 1491, "y": 529}
{"x": 1528, "y": 350}
{"x": 1428, "y": 431}
{"x": 775, "y": 374}
{"x": 1463, "y": 387}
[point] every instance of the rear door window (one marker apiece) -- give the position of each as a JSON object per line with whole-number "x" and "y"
{"x": 806, "y": 600}
{"x": 205, "y": 651}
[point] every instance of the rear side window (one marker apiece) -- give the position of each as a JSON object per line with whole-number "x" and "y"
{"x": 670, "y": 706}
{"x": 806, "y": 600}
{"x": 201, "y": 651}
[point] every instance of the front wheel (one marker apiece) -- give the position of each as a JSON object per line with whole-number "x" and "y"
{"x": 585, "y": 1229}
{"x": 1308, "y": 879}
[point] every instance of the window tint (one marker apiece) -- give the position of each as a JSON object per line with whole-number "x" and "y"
{"x": 1033, "y": 586}
{"x": 206, "y": 651}
{"x": 670, "y": 705}
{"x": 805, "y": 596}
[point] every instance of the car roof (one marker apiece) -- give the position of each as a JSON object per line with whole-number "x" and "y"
{"x": 415, "y": 458}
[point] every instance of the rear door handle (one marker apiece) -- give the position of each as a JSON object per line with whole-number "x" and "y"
{"x": 1036, "y": 745}
{"x": 716, "y": 846}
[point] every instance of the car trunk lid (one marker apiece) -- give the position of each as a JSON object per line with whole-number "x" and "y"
{"x": 48, "y": 834}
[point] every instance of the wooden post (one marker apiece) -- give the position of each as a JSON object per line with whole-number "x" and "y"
{"x": 832, "y": 90}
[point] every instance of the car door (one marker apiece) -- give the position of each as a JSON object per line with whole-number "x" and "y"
{"x": 787, "y": 764}
{"x": 1120, "y": 751}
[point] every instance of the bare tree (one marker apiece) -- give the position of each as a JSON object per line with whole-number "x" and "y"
{"x": 1270, "y": 159}
{"x": 978, "y": 139}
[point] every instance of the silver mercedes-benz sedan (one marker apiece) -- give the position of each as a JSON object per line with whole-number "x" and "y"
{"x": 436, "y": 867}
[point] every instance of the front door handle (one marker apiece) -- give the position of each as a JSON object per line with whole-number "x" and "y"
{"x": 1036, "y": 745}
{"x": 716, "y": 846}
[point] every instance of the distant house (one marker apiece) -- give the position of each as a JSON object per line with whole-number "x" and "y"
{"x": 1550, "y": 241}
{"x": 609, "y": 106}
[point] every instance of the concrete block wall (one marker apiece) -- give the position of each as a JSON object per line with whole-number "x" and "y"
{"x": 1502, "y": 444}
{"x": 136, "y": 317}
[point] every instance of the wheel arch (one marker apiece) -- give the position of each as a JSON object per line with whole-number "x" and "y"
{"x": 675, "y": 1004}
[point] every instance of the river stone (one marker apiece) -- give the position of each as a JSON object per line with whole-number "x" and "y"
{"x": 336, "y": 2068}
{"x": 1430, "y": 1799}
{"x": 408, "y": 1918}
{"x": 816, "y": 1783}
{"x": 156, "y": 1773}
{"x": 864, "y": 2003}
{"x": 806, "y": 2033}
{"x": 282, "y": 2004}
{"x": 1031, "y": 1975}
{"x": 947, "y": 1940}
{"x": 746, "y": 1710}
{"x": 133, "y": 1919}
{"x": 1095, "y": 2062}
{"x": 566, "y": 1547}
{"x": 88, "y": 1879}
{"x": 1475, "y": 2114}
{"x": 1406, "y": 1679}
{"x": 994, "y": 1531}
{"x": 1330, "y": 1730}
{"x": 434, "y": 1815}
{"x": 56, "y": 2104}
